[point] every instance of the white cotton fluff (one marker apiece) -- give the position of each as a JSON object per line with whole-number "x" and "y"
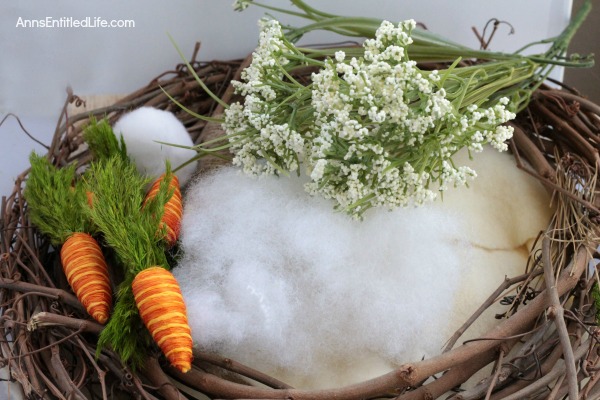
{"x": 276, "y": 279}
{"x": 142, "y": 128}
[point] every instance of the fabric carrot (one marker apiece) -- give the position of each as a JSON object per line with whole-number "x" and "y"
{"x": 90, "y": 198}
{"x": 56, "y": 202}
{"x": 103, "y": 145}
{"x": 87, "y": 273}
{"x": 159, "y": 300}
{"x": 149, "y": 296}
{"x": 173, "y": 208}
{"x": 88, "y": 195}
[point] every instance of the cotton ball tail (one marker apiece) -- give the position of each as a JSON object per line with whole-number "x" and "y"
{"x": 276, "y": 279}
{"x": 145, "y": 130}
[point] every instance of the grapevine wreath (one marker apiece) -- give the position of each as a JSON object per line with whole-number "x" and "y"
{"x": 57, "y": 343}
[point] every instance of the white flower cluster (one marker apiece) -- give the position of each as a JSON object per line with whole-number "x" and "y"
{"x": 263, "y": 141}
{"x": 385, "y": 130}
{"x": 379, "y": 131}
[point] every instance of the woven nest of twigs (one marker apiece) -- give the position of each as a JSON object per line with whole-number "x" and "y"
{"x": 546, "y": 347}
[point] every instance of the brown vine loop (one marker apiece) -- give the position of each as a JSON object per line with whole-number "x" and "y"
{"x": 557, "y": 140}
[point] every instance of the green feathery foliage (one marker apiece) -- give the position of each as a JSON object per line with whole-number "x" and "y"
{"x": 129, "y": 228}
{"x": 125, "y": 332}
{"x": 132, "y": 230}
{"x": 102, "y": 141}
{"x": 596, "y": 297}
{"x": 56, "y": 200}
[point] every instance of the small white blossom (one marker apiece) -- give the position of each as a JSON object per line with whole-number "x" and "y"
{"x": 340, "y": 56}
{"x": 500, "y": 136}
{"x": 318, "y": 170}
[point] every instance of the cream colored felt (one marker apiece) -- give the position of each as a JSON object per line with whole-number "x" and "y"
{"x": 505, "y": 209}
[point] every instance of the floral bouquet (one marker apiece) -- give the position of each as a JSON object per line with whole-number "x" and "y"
{"x": 372, "y": 128}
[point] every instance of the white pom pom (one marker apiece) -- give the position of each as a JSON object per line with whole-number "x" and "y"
{"x": 143, "y": 128}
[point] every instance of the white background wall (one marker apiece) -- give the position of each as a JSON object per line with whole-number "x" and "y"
{"x": 37, "y": 64}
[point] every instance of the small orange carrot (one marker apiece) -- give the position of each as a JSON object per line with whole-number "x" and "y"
{"x": 159, "y": 300}
{"x": 87, "y": 273}
{"x": 171, "y": 218}
{"x": 90, "y": 198}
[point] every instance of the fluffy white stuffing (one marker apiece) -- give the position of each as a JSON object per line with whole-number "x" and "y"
{"x": 276, "y": 279}
{"x": 142, "y": 128}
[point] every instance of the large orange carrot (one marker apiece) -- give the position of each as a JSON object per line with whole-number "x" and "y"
{"x": 87, "y": 273}
{"x": 171, "y": 219}
{"x": 159, "y": 300}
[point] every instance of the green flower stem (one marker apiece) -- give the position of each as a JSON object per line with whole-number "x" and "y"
{"x": 310, "y": 10}
{"x": 357, "y": 26}
{"x": 190, "y": 112}
{"x": 428, "y": 46}
{"x": 360, "y": 203}
{"x": 498, "y": 81}
{"x": 360, "y": 27}
{"x": 195, "y": 75}
{"x": 281, "y": 10}
{"x": 560, "y": 45}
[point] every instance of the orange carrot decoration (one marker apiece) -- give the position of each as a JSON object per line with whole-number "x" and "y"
{"x": 149, "y": 294}
{"x": 159, "y": 300}
{"x": 90, "y": 198}
{"x": 171, "y": 219}
{"x": 57, "y": 203}
{"x": 87, "y": 273}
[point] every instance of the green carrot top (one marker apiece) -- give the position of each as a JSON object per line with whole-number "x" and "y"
{"x": 102, "y": 142}
{"x": 56, "y": 200}
{"x": 130, "y": 229}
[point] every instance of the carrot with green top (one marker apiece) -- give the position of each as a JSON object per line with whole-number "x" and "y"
{"x": 104, "y": 144}
{"x": 160, "y": 302}
{"x": 173, "y": 208}
{"x": 56, "y": 207}
{"x": 149, "y": 294}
